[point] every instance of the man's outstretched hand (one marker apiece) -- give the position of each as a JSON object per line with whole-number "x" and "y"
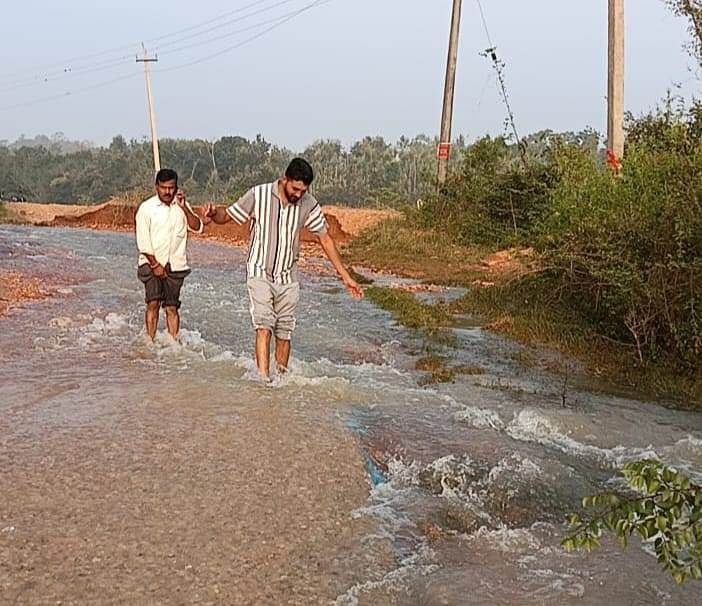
{"x": 354, "y": 289}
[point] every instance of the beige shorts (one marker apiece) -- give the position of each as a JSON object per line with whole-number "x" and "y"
{"x": 273, "y": 306}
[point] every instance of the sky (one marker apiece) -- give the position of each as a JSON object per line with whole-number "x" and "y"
{"x": 342, "y": 70}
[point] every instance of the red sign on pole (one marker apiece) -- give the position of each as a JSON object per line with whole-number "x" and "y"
{"x": 443, "y": 151}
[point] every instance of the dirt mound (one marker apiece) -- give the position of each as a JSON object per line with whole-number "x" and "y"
{"x": 44, "y": 214}
{"x": 355, "y": 220}
{"x": 120, "y": 217}
{"x": 106, "y": 216}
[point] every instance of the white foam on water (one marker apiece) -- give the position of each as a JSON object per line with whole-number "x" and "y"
{"x": 61, "y": 322}
{"x": 299, "y": 374}
{"x": 401, "y": 473}
{"x": 452, "y": 474}
{"x": 685, "y": 455}
{"x": 192, "y": 339}
{"x": 112, "y": 323}
{"x": 531, "y": 425}
{"x": 452, "y": 478}
{"x": 692, "y": 443}
{"x": 689, "y": 448}
{"x": 179, "y": 350}
{"x": 367, "y": 376}
{"x": 229, "y": 356}
{"x": 97, "y": 330}
{"x": 292, "y": 378}
{"x": 553, "y": 583}
{"x": 479, "y": 418}
{"x": 386, "y": 500}
{"x": 506, "y": 540}
{"x": 417, "y": 564}
{"x": 385, "y": 506}
{"x": 192, "y": 346}
{"x": 514, "y": 466}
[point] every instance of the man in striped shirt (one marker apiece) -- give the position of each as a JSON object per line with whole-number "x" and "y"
{"x": 278, "y": 211}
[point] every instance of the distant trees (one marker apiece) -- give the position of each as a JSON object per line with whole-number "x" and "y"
{"x": 372, "y": 171}
{"x": 57, "y": 143}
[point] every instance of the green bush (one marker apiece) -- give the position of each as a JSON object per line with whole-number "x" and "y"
{"x": 627, "y": 249}
{"x": 495, "y": 197}
{"x": 662, "y": 506}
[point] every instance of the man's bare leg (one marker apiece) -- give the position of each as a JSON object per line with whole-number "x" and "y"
{"x": 151, "y": 318}
{"x": 172, "y": 321}
{"x": 282, "y": 354}
{"x": 263, "y": 351}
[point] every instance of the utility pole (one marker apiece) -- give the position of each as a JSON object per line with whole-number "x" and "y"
{"x": 615, "y": 79}
{"x": 152, "y": 119}
{"x": 444, "y": 150}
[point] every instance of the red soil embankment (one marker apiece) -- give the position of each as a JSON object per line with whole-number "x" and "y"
{"x": 120, "y": 217}
{"x": 345, "y": 223}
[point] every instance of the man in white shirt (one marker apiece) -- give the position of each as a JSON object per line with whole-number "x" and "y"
{"x": 162, "y": 225}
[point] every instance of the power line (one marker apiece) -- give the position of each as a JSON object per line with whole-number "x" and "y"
{"x": 70, "y": 93}
{"x": 247, "y": 40}
{"x": 278, "y": 23}
{"x": 209, "y": 21}
{"x": 69, "y": 72}
{"x": 66, "y": 64}
{"x": 224, "y": 24}
{"x": 230, "y": 34}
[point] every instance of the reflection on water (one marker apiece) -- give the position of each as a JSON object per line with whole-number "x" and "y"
{"x": 470, "y": 481}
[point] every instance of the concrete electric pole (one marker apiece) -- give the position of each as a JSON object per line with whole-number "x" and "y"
{"x": 615, "y": 85}
{"x": 152, "y": 119}
{"x": 444, "y": 149}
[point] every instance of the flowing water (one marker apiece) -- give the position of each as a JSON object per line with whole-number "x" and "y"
{"x": 141, "y": 473}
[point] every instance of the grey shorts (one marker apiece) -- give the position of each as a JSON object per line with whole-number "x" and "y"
{"x": 166, "y": 290}
{"x": 273, "y": 306}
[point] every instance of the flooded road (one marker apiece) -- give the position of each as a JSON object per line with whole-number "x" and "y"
{"x": 133, "y": 472}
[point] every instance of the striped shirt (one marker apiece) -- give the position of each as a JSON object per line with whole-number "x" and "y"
{"x": 274, "y": 246}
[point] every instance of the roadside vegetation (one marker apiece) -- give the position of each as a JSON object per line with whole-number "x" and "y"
{"x": 614, "y": 273}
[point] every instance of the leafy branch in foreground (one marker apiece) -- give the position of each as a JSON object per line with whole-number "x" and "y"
{"x": 665, "y": 509}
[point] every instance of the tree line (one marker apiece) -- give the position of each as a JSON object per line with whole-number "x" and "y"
{"x": 371, "y": 172}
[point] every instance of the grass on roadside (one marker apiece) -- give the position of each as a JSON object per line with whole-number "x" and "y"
{"x": 394, "y": 245}
{"x": 520, "y": 312}
{"x": 430, "y": 320}
{"x": 513, "y": 307}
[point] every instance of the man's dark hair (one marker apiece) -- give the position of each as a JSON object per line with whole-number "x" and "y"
{"x": 300, "y": 170}
{"x": 166, "y": 174}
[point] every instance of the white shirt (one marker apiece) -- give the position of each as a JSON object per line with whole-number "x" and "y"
{"x": 162, "y": 231}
